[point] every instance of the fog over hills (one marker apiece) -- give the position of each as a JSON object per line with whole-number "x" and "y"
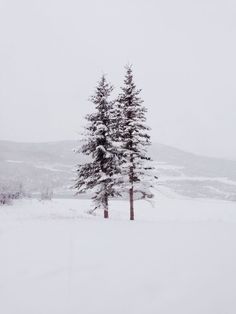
{"x": 39, "y": 165}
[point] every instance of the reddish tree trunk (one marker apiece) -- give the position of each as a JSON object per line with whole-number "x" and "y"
{"x": 131, "y": 202}
{"x": 106, "y": 215}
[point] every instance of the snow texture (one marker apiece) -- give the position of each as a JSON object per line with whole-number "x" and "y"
{"x": 97, "y": 175}
{"x": 177, "y": 257}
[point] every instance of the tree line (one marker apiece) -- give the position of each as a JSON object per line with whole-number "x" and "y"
{"x": 115, "y": 139}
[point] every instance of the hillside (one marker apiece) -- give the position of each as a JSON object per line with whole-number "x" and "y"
{"x": 40, "y": 165}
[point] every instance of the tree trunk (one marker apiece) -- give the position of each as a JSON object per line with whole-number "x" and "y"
{"x": 131, "y": 190}
{"x": 131, "y": 202}
{"x": 106, "y": 215}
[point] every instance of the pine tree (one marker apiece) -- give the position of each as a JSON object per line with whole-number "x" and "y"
{"x": 100, "y": 172}
{"x": 134, "y": 140}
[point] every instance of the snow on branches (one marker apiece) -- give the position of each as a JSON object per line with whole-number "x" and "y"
{"x": 98, "y": 174}
{"x": 116, "y": 140}
{"x": 134, "y": 140}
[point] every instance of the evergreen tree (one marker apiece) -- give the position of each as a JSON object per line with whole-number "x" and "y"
{"x": 99, "y": 174}
{"x": 134, "y": 139}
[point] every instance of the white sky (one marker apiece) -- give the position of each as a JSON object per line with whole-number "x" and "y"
{"x": 52, "y": 53}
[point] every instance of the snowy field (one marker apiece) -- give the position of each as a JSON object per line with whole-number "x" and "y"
{"x": 178, "y": 257}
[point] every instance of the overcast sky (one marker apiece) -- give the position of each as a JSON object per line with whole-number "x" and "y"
{"x": 52, "y": 52}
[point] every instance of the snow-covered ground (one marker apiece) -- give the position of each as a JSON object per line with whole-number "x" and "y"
{"x": 178, "y": 257}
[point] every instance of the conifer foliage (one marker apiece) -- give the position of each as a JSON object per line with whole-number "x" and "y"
{"x": 115, "y": 140}
{"x": 134, "y": 140}
{"x": 99, "y": 173}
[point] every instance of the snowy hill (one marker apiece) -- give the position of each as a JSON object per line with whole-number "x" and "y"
{"x": 39, "y": 165}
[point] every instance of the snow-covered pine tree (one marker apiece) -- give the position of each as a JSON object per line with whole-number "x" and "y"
{"x": 134, "y": 139}
{"x": 100, "y": 172}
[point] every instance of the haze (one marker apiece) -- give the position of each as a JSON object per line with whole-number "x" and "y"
{"x": 53, "y": 52}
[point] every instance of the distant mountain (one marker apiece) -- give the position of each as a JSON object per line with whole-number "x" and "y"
{"x": 39, "y": 165}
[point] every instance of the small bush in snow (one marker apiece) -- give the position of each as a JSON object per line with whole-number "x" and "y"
{"x": 5, "y": 199}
